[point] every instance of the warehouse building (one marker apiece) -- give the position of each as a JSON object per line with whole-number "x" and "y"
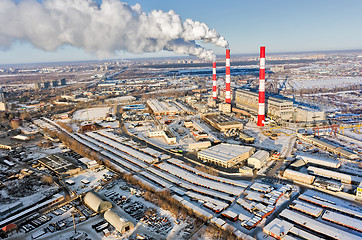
{"x": 321, "y": 143}
{"x": 169, "y": 137}
{"x": 94, "y": 202}
{"x": 258, "y": 159}
{"x": 60, "y": 165}
{"x": 298, "y": 176}
{"x": 278, "y": 228}
{"x": 325, "y": 162}
{"x": 344, "y": 178}
{"x": 162, "y": 108}
{"x": 222, "y": 122}
{"x": 226, "y": 155}
{"x": 118, "y": 223}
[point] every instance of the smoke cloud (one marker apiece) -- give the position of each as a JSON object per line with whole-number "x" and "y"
{"x": 103, "y": 29}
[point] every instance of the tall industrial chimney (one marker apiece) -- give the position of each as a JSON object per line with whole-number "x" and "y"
{"x": 261, "y": 107}
{"x": 214, "y": 93}
{"x": 227, "y": 77}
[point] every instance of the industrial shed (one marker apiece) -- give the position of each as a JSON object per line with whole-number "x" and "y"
{"x": 278, "y": 228}
{"x": 118, "y": 223}
{"x": 96, "y": 203}
{"x": 298, "y": 176}
{"x": 325, "y": 162}
{"x": 258, "y": 159}
{"x": 226, "y": 155}
{"x": 344, "y": 178}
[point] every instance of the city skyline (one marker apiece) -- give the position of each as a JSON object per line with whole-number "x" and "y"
{"x": 316, "y": 26}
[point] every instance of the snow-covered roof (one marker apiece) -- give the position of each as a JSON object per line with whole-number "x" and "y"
{"x": 199, "y": 180}
{"x": 327, "y": 162}
{"x": 278, "y": 227}
{"x": 261, "y": 155}
{"x": 96, "y": 203}
{"x": 225, "y": 152}
{"x": 118, "y": 223}
{"x": 306, "y": 208}
{"x": 343, "y": 220}
{"x": 317, "y": 226}
{"x": 333, "y": 206}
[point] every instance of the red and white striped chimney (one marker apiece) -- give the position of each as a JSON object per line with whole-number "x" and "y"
{"x": 214, "y": 88}
{"x": 261, "y": 107}
{"x": 227, "y": 78}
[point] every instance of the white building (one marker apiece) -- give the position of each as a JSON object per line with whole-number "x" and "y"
{"x": 162, "y": 108}
{"x": 118, "y": 223}
{"x": 258, "y": 159}
{"x": 298, "y": 176}
{"x": 308, "y": 114}
{"x": 226, "y": 155}
{"x": 95, "y": 203}
{"x": 169, "y": 137}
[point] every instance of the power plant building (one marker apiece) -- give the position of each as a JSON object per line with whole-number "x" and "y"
{"x": 283, "y": 109}
{"x": 280, "y": 108}
{"x": 226, "y": 155}
{"x": 304, "y": 114}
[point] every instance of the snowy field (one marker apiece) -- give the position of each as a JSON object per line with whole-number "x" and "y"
{"x": 330, "y": 82}
{"x": 92, "y": 113}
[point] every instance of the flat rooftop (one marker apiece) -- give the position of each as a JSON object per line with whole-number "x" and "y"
{"x": 225, "y": 152}
{"x": 58, "y": 163}
{"x": 221, "y": 119}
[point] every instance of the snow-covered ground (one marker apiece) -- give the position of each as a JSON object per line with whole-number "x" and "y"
{"x": 325, "y": 82}
{"x": 93, "y": 176}
{"x": 92, "y": 113}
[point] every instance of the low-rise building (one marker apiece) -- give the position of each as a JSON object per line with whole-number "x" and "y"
{"x": 222, "y": 122}
{"x": 169, "y": 137}
{"x": 226, "y": 155}
{"x": 258, "y": 159}
{"x": 304, "y": 114}
{"x": 94, "y": 202}
{"x": 162, "y": 108}
{"x": 60, "y": 165}
{"x": 117, "y": 222}
{"x": 278, "y": 228}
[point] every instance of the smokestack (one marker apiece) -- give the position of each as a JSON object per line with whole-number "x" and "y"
{"x": 214, "y": 93}
{"x": 261, "y": 107}
{"x": 227, "y": 77}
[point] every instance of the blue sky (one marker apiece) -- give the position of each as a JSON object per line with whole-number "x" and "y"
{"x": 281, "y": 25}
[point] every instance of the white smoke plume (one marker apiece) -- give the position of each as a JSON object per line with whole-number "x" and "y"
{"x": 103, "y": 29}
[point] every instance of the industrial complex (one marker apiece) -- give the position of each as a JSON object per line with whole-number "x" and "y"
{"x": 182, "y": 150}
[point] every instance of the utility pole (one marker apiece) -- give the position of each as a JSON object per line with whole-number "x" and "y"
{"x": 75, "y": 231}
